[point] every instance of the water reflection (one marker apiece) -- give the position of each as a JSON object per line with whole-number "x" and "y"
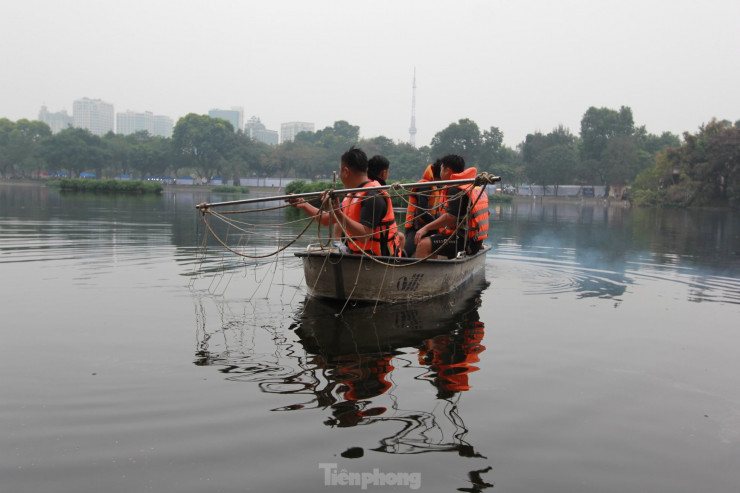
{"x": 602, "y": 252}
{"x": 364, "y": 366}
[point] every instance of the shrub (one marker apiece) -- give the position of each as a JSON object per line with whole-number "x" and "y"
{"x": 107, "y": 186}
{"x": 230, "y": 189}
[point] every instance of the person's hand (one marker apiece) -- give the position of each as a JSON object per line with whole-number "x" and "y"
{"x": 419, "y": 235}
{"x": 333, "y": 199}
{"x": 295, "y": 202}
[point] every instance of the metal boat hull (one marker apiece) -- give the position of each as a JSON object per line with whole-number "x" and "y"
{"x": 338, "y": 276}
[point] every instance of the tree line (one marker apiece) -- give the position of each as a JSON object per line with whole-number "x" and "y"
{"x": 609, "y": 150}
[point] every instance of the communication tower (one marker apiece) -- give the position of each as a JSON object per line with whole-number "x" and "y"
{"x": 412, "y": 128}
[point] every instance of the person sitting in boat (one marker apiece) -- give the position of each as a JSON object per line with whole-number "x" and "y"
{"x": 378, "y": 168}
{"x": 422, "y": 207}
{"x": 460, "y": 203}
{"x": 365, "y": 218}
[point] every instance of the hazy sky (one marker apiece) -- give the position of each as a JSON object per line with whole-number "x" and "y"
{"x": 518, "y": 65}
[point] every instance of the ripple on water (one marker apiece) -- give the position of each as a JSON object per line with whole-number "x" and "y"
{"x": 558, "y": 271}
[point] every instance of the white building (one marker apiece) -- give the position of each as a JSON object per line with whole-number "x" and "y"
{"x": 289, "y": 130}
{"x": 56, "y": 121}
{"x": 256, "y": 130}
{"x": 131, "y": 122}
{"x": 94, "y": 115}
{"x": 163, "y": 126}
{"x": 235, "y": 116}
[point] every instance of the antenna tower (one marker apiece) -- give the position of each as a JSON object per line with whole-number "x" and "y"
{"x": 412, "y": 128}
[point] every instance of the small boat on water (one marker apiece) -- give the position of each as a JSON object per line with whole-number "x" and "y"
{"x": 368, "y": 329}
{"x": 340, "y": 276}
{"x": 332, "y": 274}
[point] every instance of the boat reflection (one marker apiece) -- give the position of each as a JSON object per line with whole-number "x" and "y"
{"x": 366, "y": 367}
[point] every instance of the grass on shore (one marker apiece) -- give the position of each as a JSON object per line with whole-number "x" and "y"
{"x": 106, "y": 186}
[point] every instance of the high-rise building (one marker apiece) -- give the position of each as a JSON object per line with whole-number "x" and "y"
{"x": 131, "y": 122}
{"x": 94, "y": 115}
{"x": 56, "y": 121}
{"x": 235, "y": 116}
{"x": 163, "y": 126}
{"x": 289, "y": 130}
{"x": 256, "y": 130}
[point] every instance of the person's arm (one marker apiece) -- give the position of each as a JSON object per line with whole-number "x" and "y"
{"x": 442, "y": 221}
{"x": 448, "y": 218}
{"x": 423, "y": 215}
{"x": 311, "y": 210}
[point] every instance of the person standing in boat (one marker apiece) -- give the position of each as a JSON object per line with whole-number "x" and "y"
{"x": 460, "y": 203}
{"x": 366, "y": 218}
{"x": 422, "y": 207}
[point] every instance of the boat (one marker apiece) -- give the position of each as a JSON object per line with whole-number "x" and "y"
{"x": 370, "y": 329}
{"x": 331, "y": 274}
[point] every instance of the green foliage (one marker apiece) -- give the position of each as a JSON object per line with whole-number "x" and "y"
{"x": 230, "y": 189}
{"x": 500, "y": 198}
{"x": 462, "y": 138}
{"x": 74, "y": 150}
{"x": 19, "y": 144}
{"x": 600, "y": 125}
{"x": 107, "y": 186}
{"x": 302, "y": 186}
{"x": 204, "y": 142}
{"x": 648, "y": 179}
{"x": 705, "y": 170}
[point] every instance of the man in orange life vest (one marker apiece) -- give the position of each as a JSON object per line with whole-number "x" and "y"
{"x": 422, "y": 207}
{"x": 366, "y": 217}
{"x": 378, "y": 168}
{"x": 456, "y": 202}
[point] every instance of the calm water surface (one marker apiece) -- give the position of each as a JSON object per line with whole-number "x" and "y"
{"x": 600, "y": 353}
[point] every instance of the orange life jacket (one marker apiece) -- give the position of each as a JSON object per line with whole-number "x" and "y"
{"x": 412, "y": 210}
{"x": 477, "y": 226}
{"x": 384, "y": 240}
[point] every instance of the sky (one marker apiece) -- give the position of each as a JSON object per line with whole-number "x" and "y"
{"x": 520, "y": 65}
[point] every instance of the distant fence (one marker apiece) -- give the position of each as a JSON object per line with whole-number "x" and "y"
{"x": 562, "y": 190}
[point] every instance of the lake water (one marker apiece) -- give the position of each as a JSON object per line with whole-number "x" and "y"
{"x": 600, "y": 354}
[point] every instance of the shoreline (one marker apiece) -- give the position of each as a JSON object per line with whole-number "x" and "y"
{"x": 171, "y": 188}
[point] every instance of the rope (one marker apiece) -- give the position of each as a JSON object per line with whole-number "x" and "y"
{"x": 326, "y": 206}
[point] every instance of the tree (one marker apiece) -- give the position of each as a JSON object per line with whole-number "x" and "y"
{"x": 6, "y": 160}
{"x": 462, "y": 138}
{"x": 653, "y": 144}
{"x": 723, "y": 158}
{"x": 204, "y": 142}
{"x": 19, "y": 142}
{"x": 72, "y": 149}
{"x": 150, "y": 156}
{"x": 491, "y": 151}
{"x": 704, "y": 170}
{"x": 600, "y": 125}
{"x": 119, "y": 152}
{"x": 554, "y": 166}
{"x": 550, "y": 159}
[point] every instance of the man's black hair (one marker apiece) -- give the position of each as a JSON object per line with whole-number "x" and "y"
{"x": 355, "y": 159}
{"x": 376, "y": 165}
{"x": 436, "y": 169}
{"x": 454, "y": 162}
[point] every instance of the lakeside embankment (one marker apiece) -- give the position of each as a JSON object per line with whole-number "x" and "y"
{"x": 266, "y": 191}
